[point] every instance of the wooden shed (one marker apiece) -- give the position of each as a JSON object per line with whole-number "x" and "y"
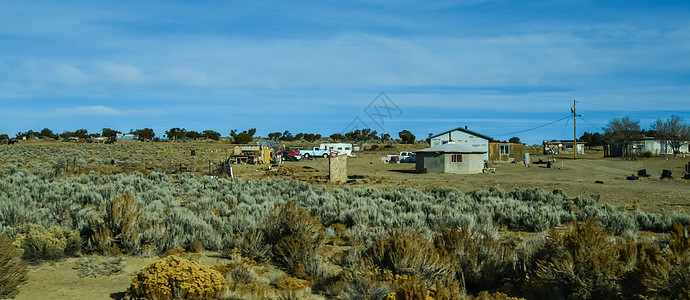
{"x": 506, "y": 152}
{"x": 450, "y": 158}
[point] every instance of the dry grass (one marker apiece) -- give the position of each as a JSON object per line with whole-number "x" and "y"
{"x": 13, "y": 271}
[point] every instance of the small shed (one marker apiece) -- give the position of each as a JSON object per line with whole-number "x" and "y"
{"x": 562, "y": 147}
{"x": 450, "y": 158}
{"x": 506, "y": 152}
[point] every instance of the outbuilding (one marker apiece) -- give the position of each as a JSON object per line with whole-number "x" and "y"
{"x": 450, "y": 158}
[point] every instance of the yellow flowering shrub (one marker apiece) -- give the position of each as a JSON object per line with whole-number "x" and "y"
{"x": 38, "y": 243}
{"x": 174, "y": 277}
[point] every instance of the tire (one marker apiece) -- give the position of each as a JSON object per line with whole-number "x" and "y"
{"x": 305, "y": 156}
{"x": 325, "y": 155}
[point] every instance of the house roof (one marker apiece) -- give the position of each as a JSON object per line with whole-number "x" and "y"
{"x": 452, "y": 148}
{"x": 465, "y": 131}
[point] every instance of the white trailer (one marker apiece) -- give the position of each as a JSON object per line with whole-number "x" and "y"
{"x": 342, "y": 148}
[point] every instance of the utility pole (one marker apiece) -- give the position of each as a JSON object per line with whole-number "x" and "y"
{"x": 574, "y": 131}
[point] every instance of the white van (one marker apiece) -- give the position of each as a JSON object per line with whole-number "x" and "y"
{"x": 344, "y": 148}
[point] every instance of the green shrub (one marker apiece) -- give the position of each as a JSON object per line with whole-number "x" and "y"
{"x": 13, "y": 271}
{"x": 39, "y": 243}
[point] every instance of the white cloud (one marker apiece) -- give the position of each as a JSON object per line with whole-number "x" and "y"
{"x": 96, "y": 110}
{"x": 67, "y": 73}
{"x": 121, "y": 73}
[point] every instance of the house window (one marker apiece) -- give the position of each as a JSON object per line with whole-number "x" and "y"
{"x": 456, "y": 158}
{"x": 504, "y": 149}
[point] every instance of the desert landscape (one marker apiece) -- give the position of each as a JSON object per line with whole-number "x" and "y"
{"x": 174, "y": 205}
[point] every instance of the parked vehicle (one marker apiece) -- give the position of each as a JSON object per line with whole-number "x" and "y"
{"x": 289, "y": 155}
{"x": 403, "y": 157}
{"x": 342, "y": 148}
{"x": 314, "y": 152}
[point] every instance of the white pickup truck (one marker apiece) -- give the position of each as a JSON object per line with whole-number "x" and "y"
{"x": 403, "y": 157}
{"x": 314, "y": 152}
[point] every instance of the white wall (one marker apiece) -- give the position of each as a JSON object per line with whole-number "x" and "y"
{"x": 460, "y": 137}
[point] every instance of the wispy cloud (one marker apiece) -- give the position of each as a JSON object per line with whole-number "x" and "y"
{"x": 96, "y": 110}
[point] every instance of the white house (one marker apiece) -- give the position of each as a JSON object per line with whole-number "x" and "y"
{"x": 653, "y": 145}
{"x": 450, "y": 158}
{"x": 470, "y": 140}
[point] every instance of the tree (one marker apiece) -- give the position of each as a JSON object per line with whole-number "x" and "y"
{"x": 361, "y": 135}
{"x": 244, "y": 137}
{"x": 29, "y": 135}
{"x": 514, "y": 139}
{"x": 674, "y": 131}
{"x": 592, "y": 139}
{"x": 48, "y": 134}
{"x": 406, "y": 137}
{"x": 145, "y": 134}
{"x": 211, "y": 135}
{"x": 81, "y": 133}
{"x": 275, "y": 135}
{"x": 623, "y": 131}
{"x": 310, "y": 137}
{"x": 110, "y": 133}
{"x": 192, "y": 135}
{"x": 67, "y": 135}
{"x": 287, "y": 136}
{"x": 176, "y": 133}
{"x": 385, "y": 137}
{"x": 337, "y": 137}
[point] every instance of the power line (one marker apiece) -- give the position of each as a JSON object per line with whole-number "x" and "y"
{"x": 564, "y": 127}
{"x": 597, "y": 126}
{"x": 533, "y": 128}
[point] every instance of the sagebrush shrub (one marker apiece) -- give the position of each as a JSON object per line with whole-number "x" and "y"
{"x": 296, "y": 237}
{"x": 174, "y": 277}
{"x": 585, "y": 263}
{"x": 405, "y": 252}
{"x": 13, "y": 270}
{"x": 480, "y": 262}
{"x": 662, "y": 274}
{"x": 39, "y": 243}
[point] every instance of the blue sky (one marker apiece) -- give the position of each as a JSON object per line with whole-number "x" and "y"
{"x": 498, "y": 67}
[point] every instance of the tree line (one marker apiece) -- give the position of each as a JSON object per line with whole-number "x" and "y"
{"x": 235, "y": 136}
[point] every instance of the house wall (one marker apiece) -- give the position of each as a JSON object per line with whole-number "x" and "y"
{"x": 516, "y": 152}
{"x": 460, "y": 137}
{"x": 472, "y": 163}
{"x": 432, "y": 162}
{"x": 660, "y": 147}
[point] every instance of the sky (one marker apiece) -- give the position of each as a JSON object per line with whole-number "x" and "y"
{"x": 501, "y": 68}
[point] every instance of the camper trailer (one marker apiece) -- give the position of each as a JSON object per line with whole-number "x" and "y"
{"x": 342, "y": 148}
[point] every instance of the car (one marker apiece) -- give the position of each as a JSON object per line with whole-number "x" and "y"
{"x": 289, "y": 155}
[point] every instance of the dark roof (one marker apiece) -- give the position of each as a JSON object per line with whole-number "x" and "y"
{"x": 465, "y": 131}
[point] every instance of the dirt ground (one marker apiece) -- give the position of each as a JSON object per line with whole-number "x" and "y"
{"x": 60, "y": 279}
{"x": 574, "y": 176}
